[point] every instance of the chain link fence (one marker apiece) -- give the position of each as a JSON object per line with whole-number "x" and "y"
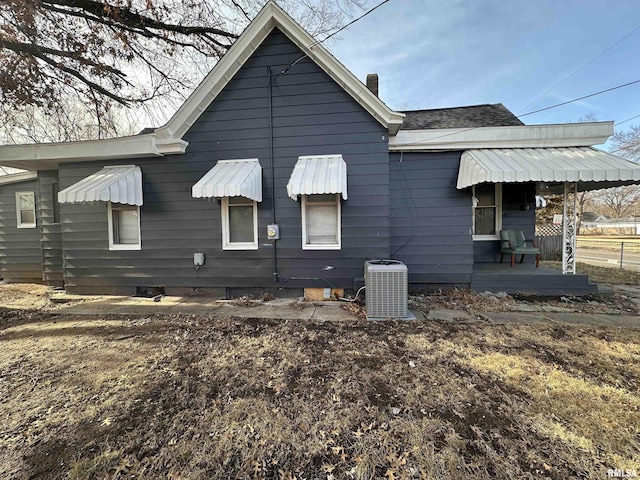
{"x": 621, "y": 253}
{"x": 606, "y": 252}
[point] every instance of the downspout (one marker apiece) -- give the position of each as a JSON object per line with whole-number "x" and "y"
{"x": 273, "y": 175}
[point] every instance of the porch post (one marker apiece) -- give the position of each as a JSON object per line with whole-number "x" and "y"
{"x": 569, "y": 228}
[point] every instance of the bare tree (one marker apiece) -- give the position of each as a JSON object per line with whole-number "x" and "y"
{"x": 583, "y": 199}
{"x": 619, "y": 201}
{"x": 627, "y": 143}
{"x": 67, "y": 121}
{"x": 107, "y": 53}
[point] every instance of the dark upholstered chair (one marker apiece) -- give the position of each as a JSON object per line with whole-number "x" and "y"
{"x": 513, "y": 243}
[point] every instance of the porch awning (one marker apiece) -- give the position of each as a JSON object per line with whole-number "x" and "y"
{"x": 118, "y": 184}
{"x": 231, "y": 178}
{"x": 549, "y": 165}
{"x": 317, "y": 175}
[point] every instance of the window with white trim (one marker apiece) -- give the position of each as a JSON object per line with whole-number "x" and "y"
{"x": 239, "y": 223}
{"x": 321, "y": 222}
{"x": 25, "y": 210}
{"x": 124, "y": 227}
{"x": 487, "y": 211}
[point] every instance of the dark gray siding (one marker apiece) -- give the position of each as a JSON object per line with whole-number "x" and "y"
{"x": 20, "y": 248}
{"x": 312, "y": 115}
{"x": 430, "y": 218}
{"x": 50, "y": 228}
{"x": 518, "y": 213}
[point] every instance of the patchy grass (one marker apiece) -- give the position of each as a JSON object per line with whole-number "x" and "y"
{"x": 199, "y": 397}
{"x": 609, "y": 275}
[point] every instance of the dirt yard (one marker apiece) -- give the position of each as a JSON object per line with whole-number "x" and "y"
{"x": 199, "y": 397}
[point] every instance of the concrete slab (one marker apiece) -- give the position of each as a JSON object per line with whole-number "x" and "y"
{"x": 630, "y": 291}
{"x": 595, "y": 319}
{"x": 526, "y": 307}
{"x": 331, "y": 312}
{"x": 276, "y": 309}
{"x": 324, "y": 311}
{"x": 587, "y": 319}
{"x": 449, "y": 315}
{"x": 140, "y": 306}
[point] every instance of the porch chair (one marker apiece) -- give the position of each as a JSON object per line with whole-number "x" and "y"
{"x": 514, "y": 243}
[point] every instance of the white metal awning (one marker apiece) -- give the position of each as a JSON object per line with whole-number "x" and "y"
{"x": 318, "y": 174}
{"x": 552, "y": 165}
{"x": 118, "y": 184}
{"x": 231, "y": 178}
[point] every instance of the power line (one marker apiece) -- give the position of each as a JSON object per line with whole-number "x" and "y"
{"x": 625, "y": 121}
{"x": 580, "y": 98}
{"x": 583, "y": 66}
{"x": 318, "y": 42}
{"x": 354, "y": 21}
{"x": 541, "y": 110}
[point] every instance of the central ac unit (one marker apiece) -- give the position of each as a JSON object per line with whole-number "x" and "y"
{"x": 386, "y": 289}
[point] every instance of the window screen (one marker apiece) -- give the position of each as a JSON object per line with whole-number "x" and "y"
{"x": 125, "y": 225}
{"x": 240, "y": 220}
{"x": 26, "y": 209}
{"x": 240, "y": 225}
{"x": 485, "y": 211}
{"x": 322, "y": 222}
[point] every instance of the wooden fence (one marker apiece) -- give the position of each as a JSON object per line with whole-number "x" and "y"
{"x": 550, "y": 247}
{"x": 549, "y": 241}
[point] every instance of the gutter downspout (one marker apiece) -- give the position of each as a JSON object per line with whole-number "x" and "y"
{"x": 273, "y": 175}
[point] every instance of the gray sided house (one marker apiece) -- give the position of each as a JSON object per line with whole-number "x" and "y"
{"x": 282, "y": 171}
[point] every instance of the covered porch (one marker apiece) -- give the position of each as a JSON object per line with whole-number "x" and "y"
{"x": 565, "y": 170}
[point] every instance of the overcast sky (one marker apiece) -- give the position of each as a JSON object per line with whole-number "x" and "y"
{"x": 444, "y": 53}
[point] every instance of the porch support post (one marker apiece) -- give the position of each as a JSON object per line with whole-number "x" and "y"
{"x": 569, "y": 228}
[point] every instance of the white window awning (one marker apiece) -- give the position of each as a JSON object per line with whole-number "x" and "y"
{"x": 118, "y": 184}
{"x": 231, "y": 178}
{"x": 317, "y": 175}
{"x": 550, "y": 165}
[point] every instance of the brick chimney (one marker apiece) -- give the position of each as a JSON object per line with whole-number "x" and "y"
{"x": 372, "y": 83}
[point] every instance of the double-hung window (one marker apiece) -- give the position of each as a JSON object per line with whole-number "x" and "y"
{"x": 321, "y": 222}
{"x": 124, "y": 227}
{"x": 239, "y": 223}
{"x": 487, "y": 211}
{"x": 26, "y": 209}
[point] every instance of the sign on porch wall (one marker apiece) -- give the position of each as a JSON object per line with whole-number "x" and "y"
{"x": 557, "y": 219}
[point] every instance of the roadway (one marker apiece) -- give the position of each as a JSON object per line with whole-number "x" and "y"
{"x": 609, "y": 258}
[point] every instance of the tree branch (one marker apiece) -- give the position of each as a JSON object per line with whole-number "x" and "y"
{"x": 126, "y": 16}
{"x": 76, "y": 74}
{"x": 33, "y": 49}
{"x": 138, "y": 30}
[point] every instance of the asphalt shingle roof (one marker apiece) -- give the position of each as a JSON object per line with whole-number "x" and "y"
{"x": 495, "y": 115}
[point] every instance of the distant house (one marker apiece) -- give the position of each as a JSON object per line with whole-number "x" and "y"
{"x": 603, "y": 225}
{"x": 283, "y": 171}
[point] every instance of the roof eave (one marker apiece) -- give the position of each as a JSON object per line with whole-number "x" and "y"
{"x": 17, "y": 177}
{"x": 43, "y": 156}
{"x": 524, "y": 136}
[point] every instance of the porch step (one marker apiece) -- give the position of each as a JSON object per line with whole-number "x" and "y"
{"x": 533, "y": 281}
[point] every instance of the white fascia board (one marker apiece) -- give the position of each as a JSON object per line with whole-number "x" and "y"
{"x": 43, "y": 156}
{"x": 269, "y": 17}
{"x": 525, "y": 136}
{"x": 17, "y": 177}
